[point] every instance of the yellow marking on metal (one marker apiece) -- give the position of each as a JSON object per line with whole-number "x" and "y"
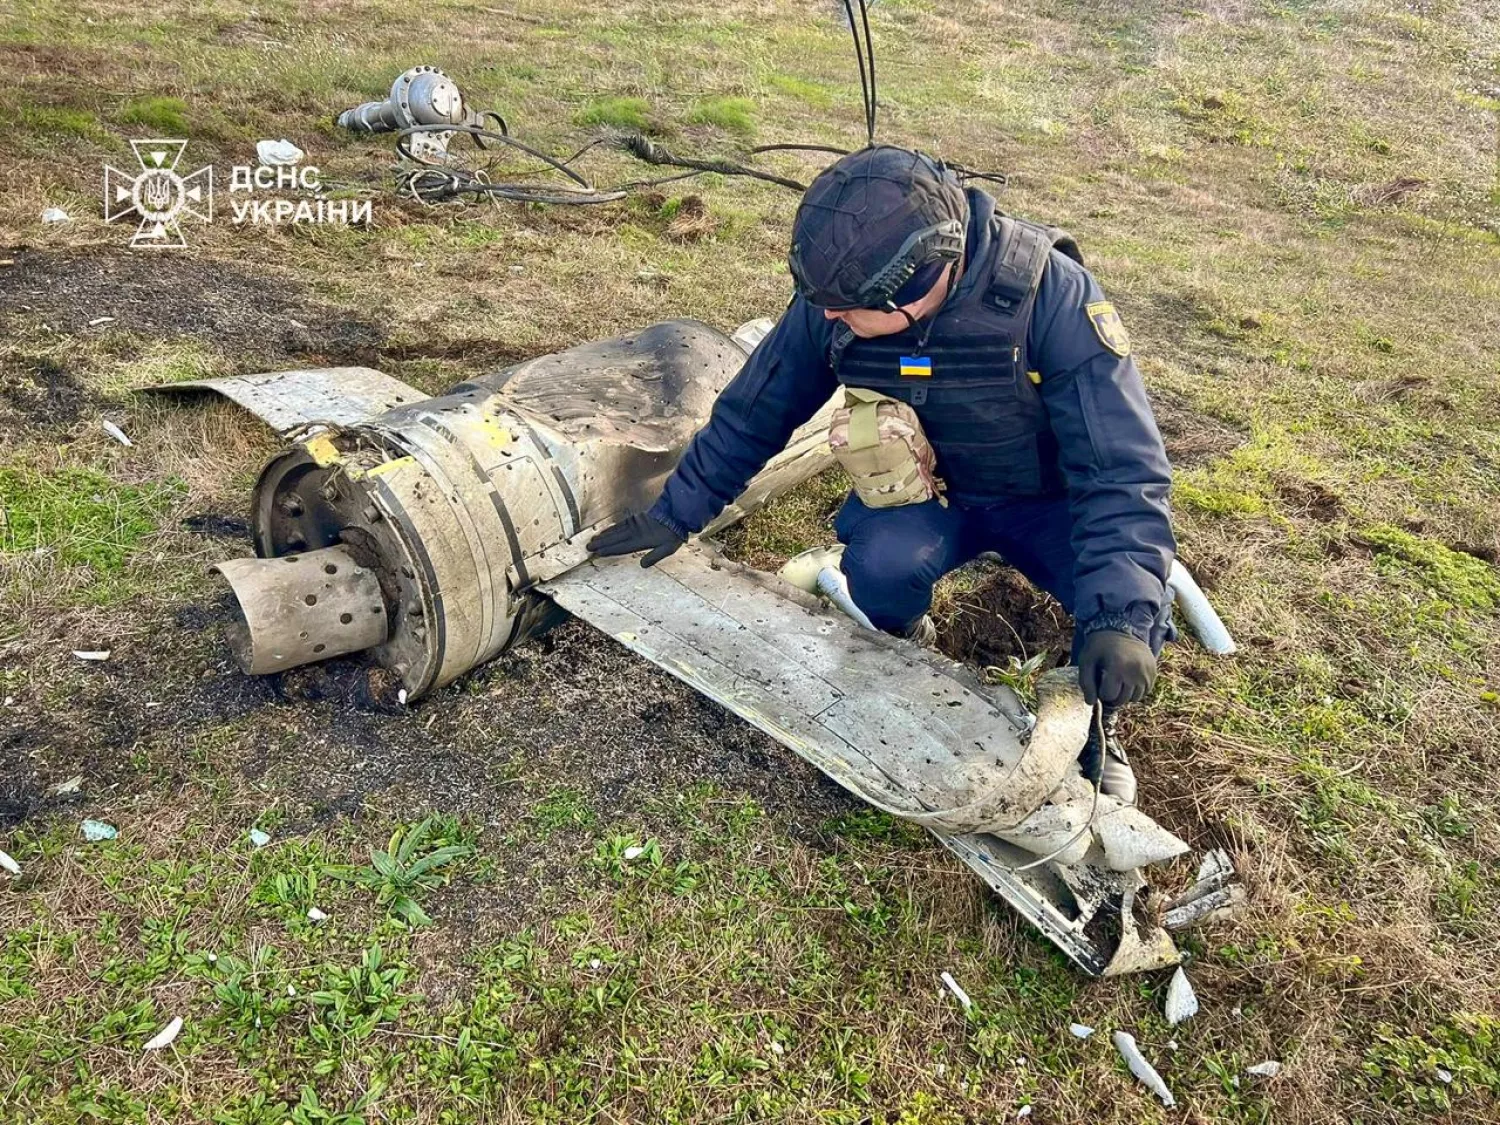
{"x": 1035, "y": 377}
{"x": 322, "y": 450}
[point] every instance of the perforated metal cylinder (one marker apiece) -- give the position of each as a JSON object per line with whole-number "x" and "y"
{"x": 302, "y": 607}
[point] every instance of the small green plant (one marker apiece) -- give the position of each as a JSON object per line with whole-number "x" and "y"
{"x": 354, "y": 1001}
{"x": 412, "y": 862}
{"x": 1020, "y": 676}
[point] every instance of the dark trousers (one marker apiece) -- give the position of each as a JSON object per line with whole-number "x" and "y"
{"x": 894, "y": 556}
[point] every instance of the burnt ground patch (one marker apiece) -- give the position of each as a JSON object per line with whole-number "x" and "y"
{"x": 158, "y": 296}
{"x": 40, "y": 392}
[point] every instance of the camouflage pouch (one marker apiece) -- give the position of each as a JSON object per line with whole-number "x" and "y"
{"x": 879, "y": 442}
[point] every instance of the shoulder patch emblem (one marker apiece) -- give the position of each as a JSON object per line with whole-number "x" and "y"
{"x": 1109, "y": 328}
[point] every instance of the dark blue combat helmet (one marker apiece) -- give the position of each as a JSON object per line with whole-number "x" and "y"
{"x": 875, "y": 229}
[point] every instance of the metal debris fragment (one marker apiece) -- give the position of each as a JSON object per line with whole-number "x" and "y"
{"x": 92, "y": 653}
{"x": 1080, "y": 1030}
{"x": 56, "y": 215}
{"x": 316, "y": 915}
{"x": 635, "y": 851}
{"x": 1182, "y": 1001}
{"x": 1144, "y": 1071}
{"x": 258, "y": 838}
{"x": 96, "y": 831}
{"x": 1269, "y": 1069}
{"x": 959, "y": 993}
{"x": 9, "y": 864}
{"x": 72, "y": 785}
{"x": 165, "y": 1036}
{"x": 1444, "y": 1076}
{"x": 98, "y": 320}
{"x": 1213, "y": 896}
{"x": 1024, "y": 1111}
{"x": 115, "y": 432}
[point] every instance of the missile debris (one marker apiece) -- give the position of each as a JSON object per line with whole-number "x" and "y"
{"x": 1182, "y": 1001}
{"x": 430, "y": 534}
{"x": 165, "y": 1037}
{"x": 1143, "y": 1070}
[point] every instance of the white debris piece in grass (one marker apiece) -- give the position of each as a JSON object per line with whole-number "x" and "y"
{"x": 8, "y": 864}
{"x": 635, "y": 851}
{"x": 98, "y": 320}
{"x": 316, "y": 915}
{"x": 92, "y": 653}
{"x": 1125, "y": 1044}
{"x": 1268, "y": 1069}
{"x": 70, "y": 786}
{"x": 1443, "y": 1076}
{"x": 283, "y": 151}
{"x": 959, "y": 993}
{"x": 1080, "y": 1030}
{"x": 1024, "y": 1111}
{"x": 95, "y": 831}
{"x": 115, "y": 432}
{"x": 165, "y": 1036}
{"x": 777, "y": 1048}
{"x": 401, "y": 697}
{"x": 258, "y": 838}
{"x": 1182, "y": 1001}
{"x": 56, "y": 215}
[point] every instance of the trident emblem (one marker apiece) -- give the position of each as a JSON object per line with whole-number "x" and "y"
{"x": 158, "y": 194}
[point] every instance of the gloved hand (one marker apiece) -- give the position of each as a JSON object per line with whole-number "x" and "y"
{"x": 637, "y": 533}
{"x": 1115, "y": 668}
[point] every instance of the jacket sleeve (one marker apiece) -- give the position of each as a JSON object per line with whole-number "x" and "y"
{"x": 1111, "y": 454}
{"x": 781, "y": 386}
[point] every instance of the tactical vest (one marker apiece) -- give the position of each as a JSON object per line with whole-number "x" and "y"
{"x": 981, "y": 412}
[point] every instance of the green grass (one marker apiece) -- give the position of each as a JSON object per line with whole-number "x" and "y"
{"x": 733, "y": 115}
{"x": 164, "y": 115}
{"x": 618, "y": 113}
{"x": 79, "y": 514}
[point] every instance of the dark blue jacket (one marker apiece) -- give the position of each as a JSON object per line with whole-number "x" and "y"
{"x": 1110, "y": 452}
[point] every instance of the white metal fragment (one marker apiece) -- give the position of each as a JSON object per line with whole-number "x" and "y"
{"x": 635, "y": 851}
{"x": 9, "y": 864}
{"x": 165, "y": 1036}
{"x": 95, "y": 831}
{"x": 70, "y": 786}
{"x": 1080, "y": 1030}
{"x": 401, "y": 697}
{"x": 959, "y": 993}
{"x": 212, "y": 958}
{"x": 1443, "y": 1076}
{"x": 10, "y": 701}
{"x": 1268, "y": 1069}
{"x": 777, "y": 1048}
{"x": 1144, "y": 1071}
{"x": 1182, "y": 1001}
{"x": 316, "y": 915}
{"x": 1024, "y": 1111}
{"x": 115, "y": 432}
{"x": 98, "y": 320}
{"x": 258, "y": 838}
{"x": 291, "y": 990}
{"x": 56, "y": 215}
{"x": 278, "y": 152}
{"x": 92, "y": 654}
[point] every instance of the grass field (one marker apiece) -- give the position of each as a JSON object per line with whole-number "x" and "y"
{"x": 1295, "y": 205}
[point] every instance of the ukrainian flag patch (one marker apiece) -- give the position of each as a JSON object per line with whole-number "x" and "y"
{"x": 916, "y": 367}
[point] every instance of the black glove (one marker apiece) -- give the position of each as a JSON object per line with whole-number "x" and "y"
{"x": 637, "y": 533}
{"x": 1115, "y": 668}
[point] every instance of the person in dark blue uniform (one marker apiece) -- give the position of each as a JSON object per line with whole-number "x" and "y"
{"x": 1019, "y": 370}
